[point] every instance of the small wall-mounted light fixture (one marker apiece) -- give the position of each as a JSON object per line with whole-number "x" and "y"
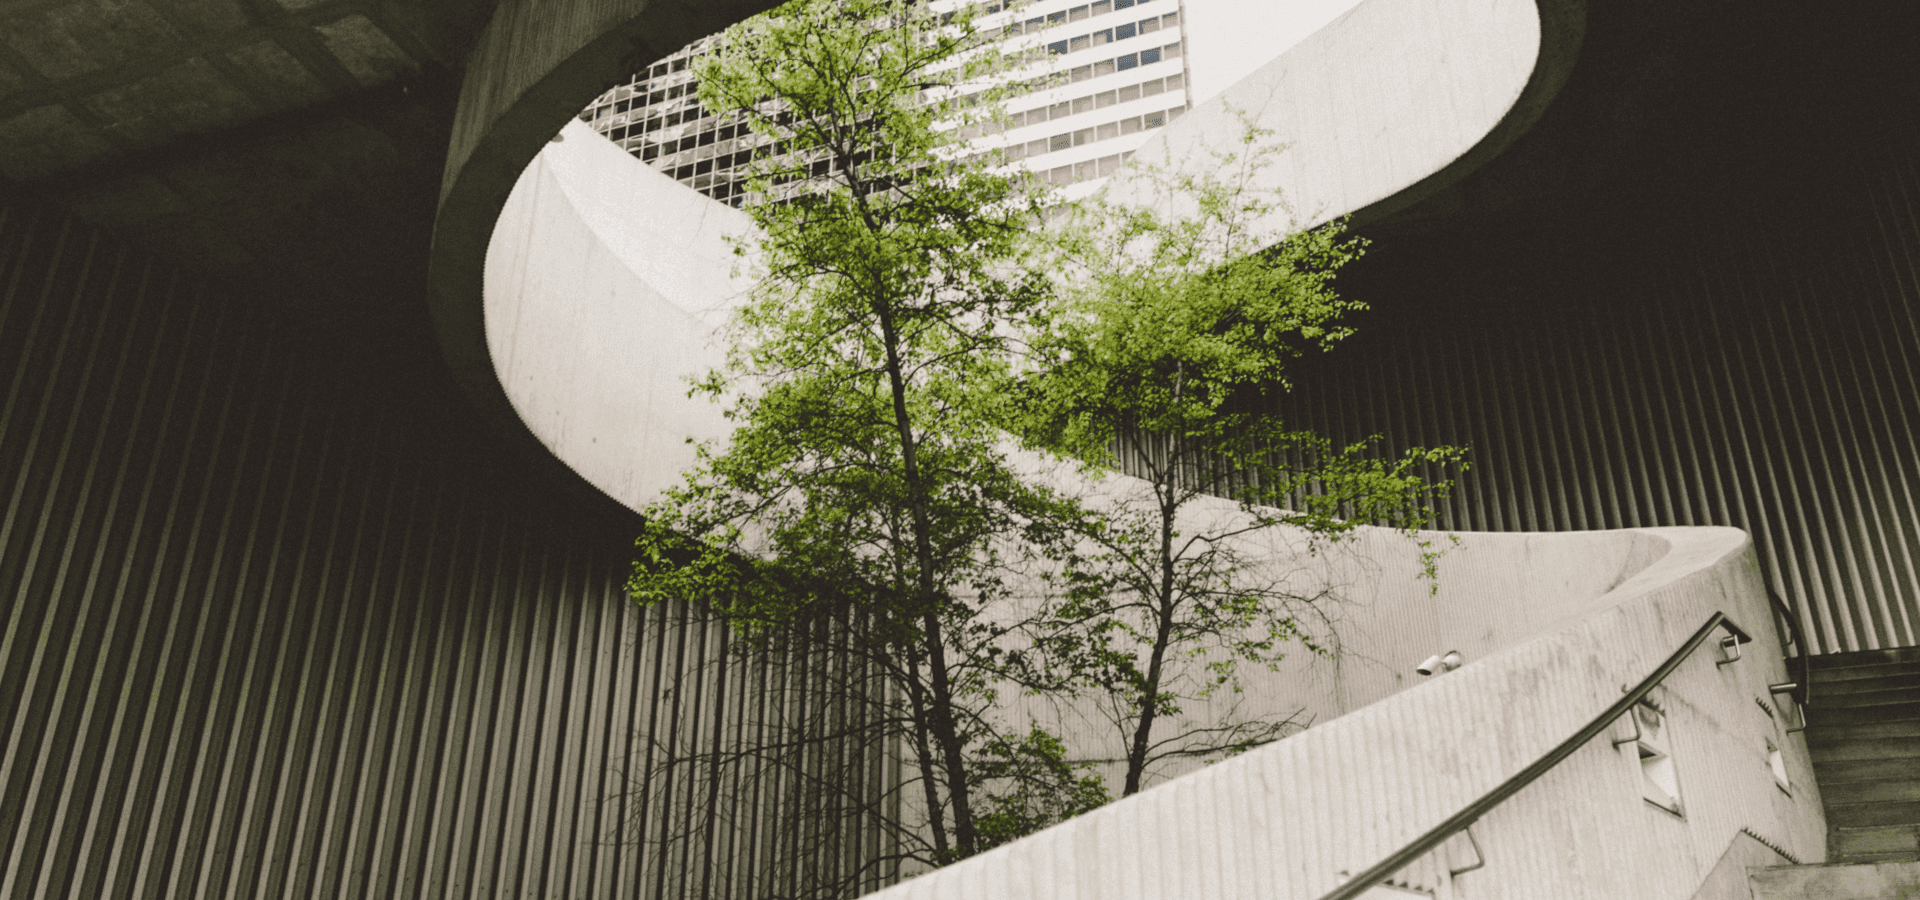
{"x": 1777, "y": 761}
{"x": 1659, "y": 785}
{"x": 1440, "y": 662}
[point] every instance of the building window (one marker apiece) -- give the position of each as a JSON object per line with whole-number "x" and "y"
{"x": 1122, "y": 32}
{"x": 1129, "y": 61}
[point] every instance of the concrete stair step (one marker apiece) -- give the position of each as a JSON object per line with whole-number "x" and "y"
{"x": 1845, "y": 881}
{"x": 1837, "y": 733}
{"x": 1866, "y": 698}
{"x": 1832, "y": 691}
{"x": 1873, "y": 842}
{"x": 1889, "y": 791}
{"x": 1858, "y": 658}
{"x": 1855, "y": 815}
{"x": 1838, "y": 772}
{"x": 1818, "y": 715}
{"x": 1832, "y": 751}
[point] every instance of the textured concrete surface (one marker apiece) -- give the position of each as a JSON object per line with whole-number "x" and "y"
{"x": 1728, "y": 880}
{"x": 86, "y": 82}
{"x": 1291, "y": 818}
{"x": 1358, "y": 134}
{"x": 596, "y": 316}
{"x": 1390, "y": 102}
{"x": 587, "y": 316}
{"x": 1873, "y": 881}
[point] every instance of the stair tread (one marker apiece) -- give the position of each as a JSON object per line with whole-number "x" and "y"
{"x": 1827, "y": 748}
{"x": 1906, "y": 812}
{"x": 1846, "y": 687}
{"x": 1868, "y": 770}
{"x": 1858, "y": 673}
{"x": 1838, "y": 732}
{"x": 1877, "y": 880}
{"x": 1851, "y": 843}
{"x": 1876, "y": 697}
{"x": 1860, "y": 715}
{"x": 1879, "y": 791}
{"x": 1856, "y": 658}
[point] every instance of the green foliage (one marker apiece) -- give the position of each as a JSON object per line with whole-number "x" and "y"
{"x": 866, "y": 482}
{"x": 1027, "y": 785}
{"x": 903, "y": 322}
{"x": 1182, "y": 311}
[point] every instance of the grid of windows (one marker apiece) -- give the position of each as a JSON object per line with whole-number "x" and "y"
{"x": 1077, "y": 105}
{"x": 657, "y": 117}
{"x": 1076, "y": 14}
{"x": 1106, "y": 36}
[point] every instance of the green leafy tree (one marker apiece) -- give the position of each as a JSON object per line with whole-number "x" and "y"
{"x": 1028, "y": 783}
{"x": 865, "y": 498}
{"x": 1183, "y": 309}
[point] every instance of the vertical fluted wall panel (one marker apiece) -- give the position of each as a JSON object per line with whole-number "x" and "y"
{"x": 268, "y": 635}
{"x": 1732, "y": 366}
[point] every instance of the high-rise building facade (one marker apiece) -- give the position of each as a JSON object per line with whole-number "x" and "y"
{"x": 1106, "y": 76}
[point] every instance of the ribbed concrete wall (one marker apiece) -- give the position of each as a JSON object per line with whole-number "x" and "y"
{"x": 273, "y": 627}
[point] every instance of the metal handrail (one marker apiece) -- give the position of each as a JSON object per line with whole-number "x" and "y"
{"x": 1802, "y": 687}
{"x": 1459, "y": 821}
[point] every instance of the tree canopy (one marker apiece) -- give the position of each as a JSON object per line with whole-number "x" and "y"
{"x": 908, "y": 330}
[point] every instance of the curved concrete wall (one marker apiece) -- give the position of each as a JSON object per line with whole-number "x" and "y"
{"x": 605, "y": 282}
{"x": 536, "y": 64}
{"x": 1388, "y": 103}
{"x": 1292, "y": 819}
{"x": 590, "y": 327}
{"x": 1361, "y": 101}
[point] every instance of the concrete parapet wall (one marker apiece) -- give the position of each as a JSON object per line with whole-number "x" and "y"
{"x": 1385, "y": 100}
{"x": 1292, "y": 818}
{"x": 603, "y": 282}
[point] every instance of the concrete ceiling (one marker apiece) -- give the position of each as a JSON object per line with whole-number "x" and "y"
{"x": 88, "y": 82}
{"x": 292, "y": 144}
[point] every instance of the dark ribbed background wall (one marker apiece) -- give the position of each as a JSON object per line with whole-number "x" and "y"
{"x": 276, "y": 626}
{"x": 1737, "y": 344}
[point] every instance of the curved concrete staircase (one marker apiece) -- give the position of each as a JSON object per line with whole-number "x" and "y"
{"x": 1863, "y": 731}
